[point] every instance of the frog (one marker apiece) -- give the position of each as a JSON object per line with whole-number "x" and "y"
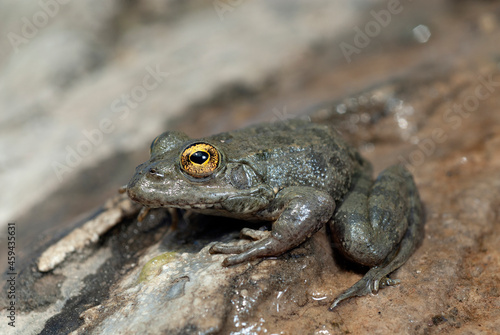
{"x": 299, "y": 175}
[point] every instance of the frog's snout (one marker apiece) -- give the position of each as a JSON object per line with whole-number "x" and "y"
{"x": 149, "y": 184}
{"x": 136, "y": 192}
{"x": 131, "y": 188}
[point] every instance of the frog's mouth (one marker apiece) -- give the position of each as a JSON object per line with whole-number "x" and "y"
{"x": 153, "y": 204}
{"x": 170, "y": 197}
{"x": 194, "y": 206}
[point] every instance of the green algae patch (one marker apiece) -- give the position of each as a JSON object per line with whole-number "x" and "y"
{"x": 153, "y": 267}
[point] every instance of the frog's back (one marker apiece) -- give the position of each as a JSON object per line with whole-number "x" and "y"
{"x": 294, "y": 153}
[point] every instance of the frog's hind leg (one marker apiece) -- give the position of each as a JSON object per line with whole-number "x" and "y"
{"x": 379, "y": 224}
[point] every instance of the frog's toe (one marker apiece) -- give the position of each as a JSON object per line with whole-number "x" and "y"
{"x": 254, "y": 234}
{"x": 386, "y": 281}
{"x": 253, "y": 250}
{"x": 233, "y": 260}
{"x": 230, "y": 248}
{"x": 370, "y": 283}
{"x": 245, "y": 256}
{"x": 234, "y": 248}
{"x": 362, "y": 287}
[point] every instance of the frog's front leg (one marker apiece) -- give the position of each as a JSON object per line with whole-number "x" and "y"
{"x": 303, "y": 210}
{"x": 379, "y": 224}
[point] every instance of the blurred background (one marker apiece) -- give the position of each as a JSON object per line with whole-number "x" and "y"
{"x": 86, "y": 85}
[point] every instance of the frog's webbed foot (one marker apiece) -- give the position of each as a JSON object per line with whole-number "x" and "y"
{"x": 370, "y": 283}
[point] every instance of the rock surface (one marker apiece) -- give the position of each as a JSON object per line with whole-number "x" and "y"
{"x": 431, "y": 104}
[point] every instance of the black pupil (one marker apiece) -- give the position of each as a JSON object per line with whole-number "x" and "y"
{"x": 199, "y": 157}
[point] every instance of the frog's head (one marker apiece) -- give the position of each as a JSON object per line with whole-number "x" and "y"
{"x": 198, "y": 175}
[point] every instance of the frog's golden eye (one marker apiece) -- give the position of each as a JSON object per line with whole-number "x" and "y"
{"x": 200, "y": 160}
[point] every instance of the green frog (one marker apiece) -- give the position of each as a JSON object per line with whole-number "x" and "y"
{"x": 300, "y": 176}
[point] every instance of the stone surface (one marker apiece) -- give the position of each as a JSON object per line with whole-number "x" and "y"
{"x": 426, "y": 105}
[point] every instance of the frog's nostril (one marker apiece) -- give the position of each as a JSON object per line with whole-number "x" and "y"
{"x": 154, "y": 172}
